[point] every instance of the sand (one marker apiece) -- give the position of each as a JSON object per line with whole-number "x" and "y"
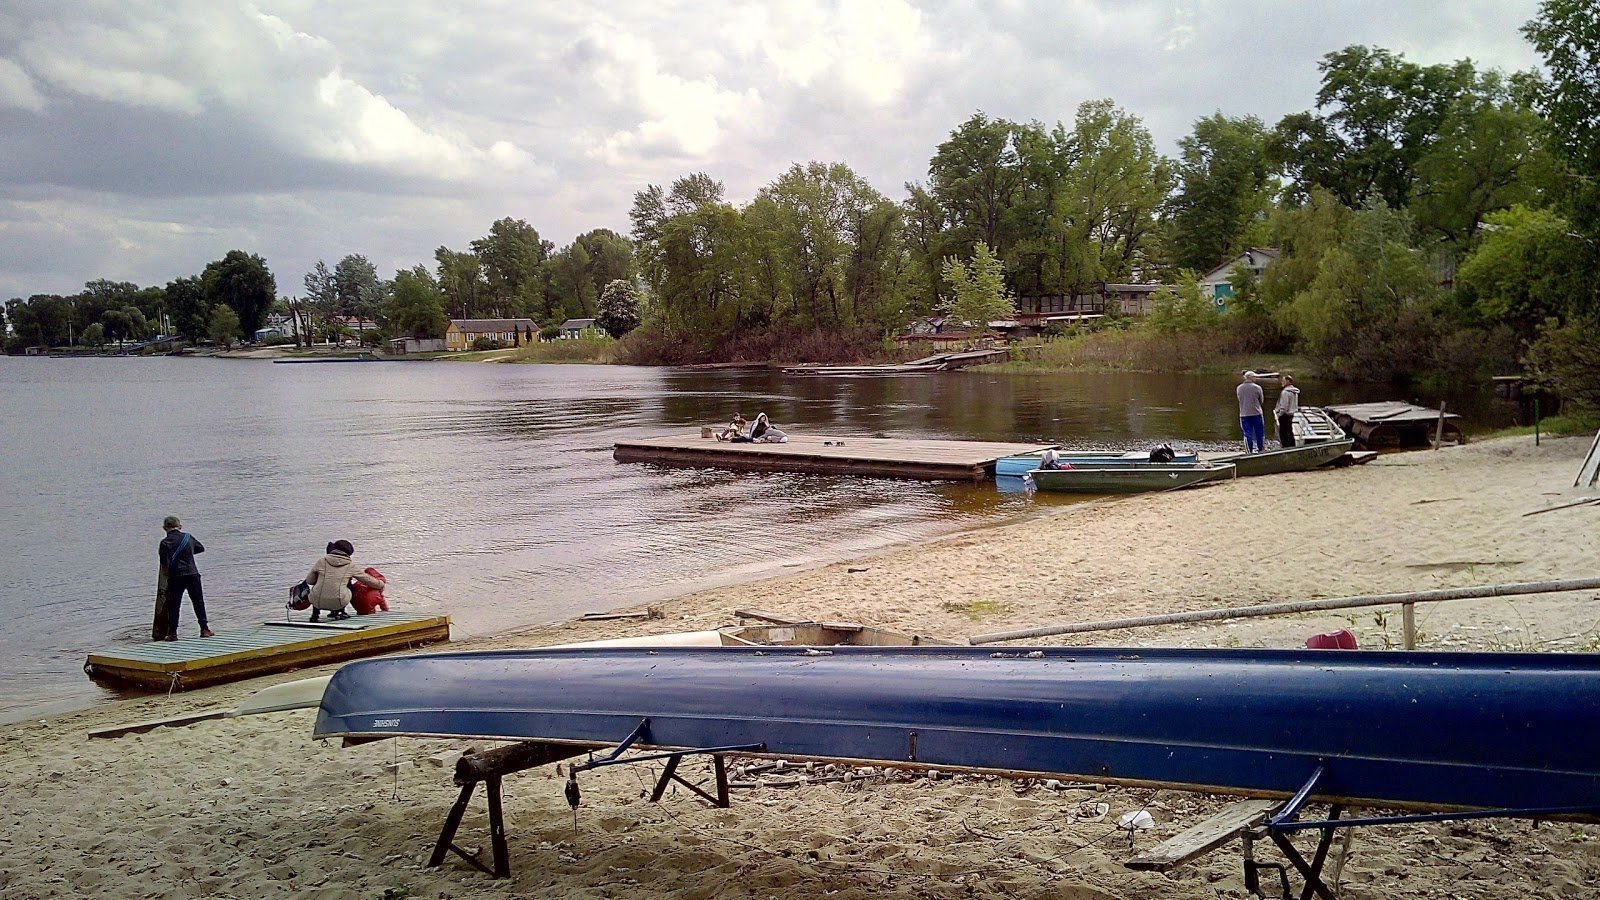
{"x": 253, "y": 807}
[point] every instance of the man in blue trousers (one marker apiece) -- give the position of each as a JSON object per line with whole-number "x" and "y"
{"x": 1251, "y": 421}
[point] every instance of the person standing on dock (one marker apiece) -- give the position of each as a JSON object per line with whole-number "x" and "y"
{"x": 1288, "y": 405}
{"x": 177, "y": 552}
{"x": 1251, "y": 421}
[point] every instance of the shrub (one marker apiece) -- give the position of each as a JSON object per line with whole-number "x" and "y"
{"x": 486, "y": 343}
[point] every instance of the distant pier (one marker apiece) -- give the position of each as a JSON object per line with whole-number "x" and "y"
{"x": 926, "y": 460}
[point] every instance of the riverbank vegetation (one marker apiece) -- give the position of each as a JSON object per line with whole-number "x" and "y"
{"x": 1418, "y": 221}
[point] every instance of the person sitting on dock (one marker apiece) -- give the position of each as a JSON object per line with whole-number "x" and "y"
{"x": 763, "y": 432}
{"x": 1251, "y": 422}
{"x": 177, "y": 552}
{"x": 1288, "y": 405}
{"x": 330, "y": 579}
{"x": 737, "y": 430}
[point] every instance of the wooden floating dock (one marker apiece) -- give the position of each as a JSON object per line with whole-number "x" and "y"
{"x": 1395, "y": 424}
{"x": 939, "y": 362}
{"x": 926, "y": 460}
{"x": 262, "y": 649}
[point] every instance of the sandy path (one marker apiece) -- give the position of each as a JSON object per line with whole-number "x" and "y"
{"x": 254, "y": 807}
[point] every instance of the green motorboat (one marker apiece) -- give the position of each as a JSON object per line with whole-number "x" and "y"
{"x": 1130, "y": 479}
{"x": 1288, "y": 459}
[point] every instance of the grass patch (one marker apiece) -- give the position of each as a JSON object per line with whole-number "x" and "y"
{"x": 1142, "y": 350}
{"x": 592, "y": 347}
{"x": 976, "y": 610}
{"x": 1578, "y": 423}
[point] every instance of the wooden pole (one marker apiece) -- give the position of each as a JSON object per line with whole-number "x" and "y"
{"x": 1408, "y": 624}
{"x": 1438, "y": 432}
{"x": 1298, "y": 606}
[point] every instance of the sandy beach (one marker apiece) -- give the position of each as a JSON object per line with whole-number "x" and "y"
{"x": 253, "y": 807}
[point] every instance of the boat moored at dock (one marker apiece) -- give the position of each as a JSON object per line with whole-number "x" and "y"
{"x": 1135, "y": 478}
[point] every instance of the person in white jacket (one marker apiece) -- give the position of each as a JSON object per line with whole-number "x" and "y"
{"x": 1288, "y": 405}
{"x": 329, "y": 581}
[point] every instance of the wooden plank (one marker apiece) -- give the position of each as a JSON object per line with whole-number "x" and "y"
{"x": 116, "y": 731}
{"x": 1204, "y": 837}
{"x": 764, "y": 616}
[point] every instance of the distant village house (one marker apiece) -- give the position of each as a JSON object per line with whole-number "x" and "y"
{"x": 1215, "y": 284}
{"x": 573, "y": 329}
{"x": 462, "y": 333}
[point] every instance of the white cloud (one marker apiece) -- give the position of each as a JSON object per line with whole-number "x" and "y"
{"x": 201, "y": 59}
{"x": 17, "y": 89}
{"x": 680, "y": 116}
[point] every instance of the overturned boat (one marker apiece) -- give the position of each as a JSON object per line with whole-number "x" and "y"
{"x": 1509, "y": 732}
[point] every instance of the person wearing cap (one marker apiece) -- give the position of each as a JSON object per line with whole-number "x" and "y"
{"x": 1251, "y": 421}
{"x": 1288, "y": 405}
{"x": 330, "y": 578}
{"x": 177, "y": 552}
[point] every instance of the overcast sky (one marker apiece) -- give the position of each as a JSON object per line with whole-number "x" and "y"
{"x": 140, "y": 140}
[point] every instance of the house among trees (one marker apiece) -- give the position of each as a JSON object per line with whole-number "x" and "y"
{"x": 463, "y": 333}
{"x": 572, "y": 329}
{"x": 1215, "y": 284}
{"x": 400, "y": 346}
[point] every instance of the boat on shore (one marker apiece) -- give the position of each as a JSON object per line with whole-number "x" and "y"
{"x": 1134, "y": 478}
{"x": 1298, "y": 458}
{"x": 1017, "y": 466}
{"x": 1403, "y": 729}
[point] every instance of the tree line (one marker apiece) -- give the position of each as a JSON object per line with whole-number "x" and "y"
{"x": 1428, "y": 219}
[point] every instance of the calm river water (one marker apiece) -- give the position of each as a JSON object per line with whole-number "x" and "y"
{"x": 484, "y": 491}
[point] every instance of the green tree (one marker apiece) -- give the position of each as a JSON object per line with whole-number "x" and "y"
{"x": 513, "y": 256}
{"x": 578, "y": 274}
{"x": 322, "y": 300}
{"x": 98, "y": 296}
{"x": 1529, "y": 267}
{"x": 360, "y": 292}
{"x": 1182, "y": 307}
{"x": 415, "y": 307}
{"x": 122, "y": 323}
{"x": 827, "y": 253}
{"x": 243, "y": 282}
{"x": 1225, "y": 194}
{"x": 224, "y": 324}
{"x": 979, "y": 290}
{"x": 691, "y": 245}
{"x": 975, "y": 176}
{"x": 1487, "y": 156}
{"x": 186, "y": 302}
{"x": 95, "y": 335}
{"x": 461, "y": 282}
{"x": 1378, "y": 115}
{"x": 1368, "y": 313}
{"x": 1305, "y": 234}
{"x": 619, "y": 308}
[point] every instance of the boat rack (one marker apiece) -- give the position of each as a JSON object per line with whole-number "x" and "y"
{"x": 493, "y": 765}
{"x": 1258, "y": 820}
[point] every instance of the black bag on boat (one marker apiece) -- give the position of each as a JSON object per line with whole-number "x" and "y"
{"x": 1162, "y": 454}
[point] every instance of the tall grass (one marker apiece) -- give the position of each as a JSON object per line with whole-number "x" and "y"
{"x": 591, "y": 347}
{"x": 1146, "y": 350}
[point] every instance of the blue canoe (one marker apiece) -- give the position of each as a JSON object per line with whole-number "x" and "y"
{"x": 1409, "y": 729}
{"x": 1021, "y": 465}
